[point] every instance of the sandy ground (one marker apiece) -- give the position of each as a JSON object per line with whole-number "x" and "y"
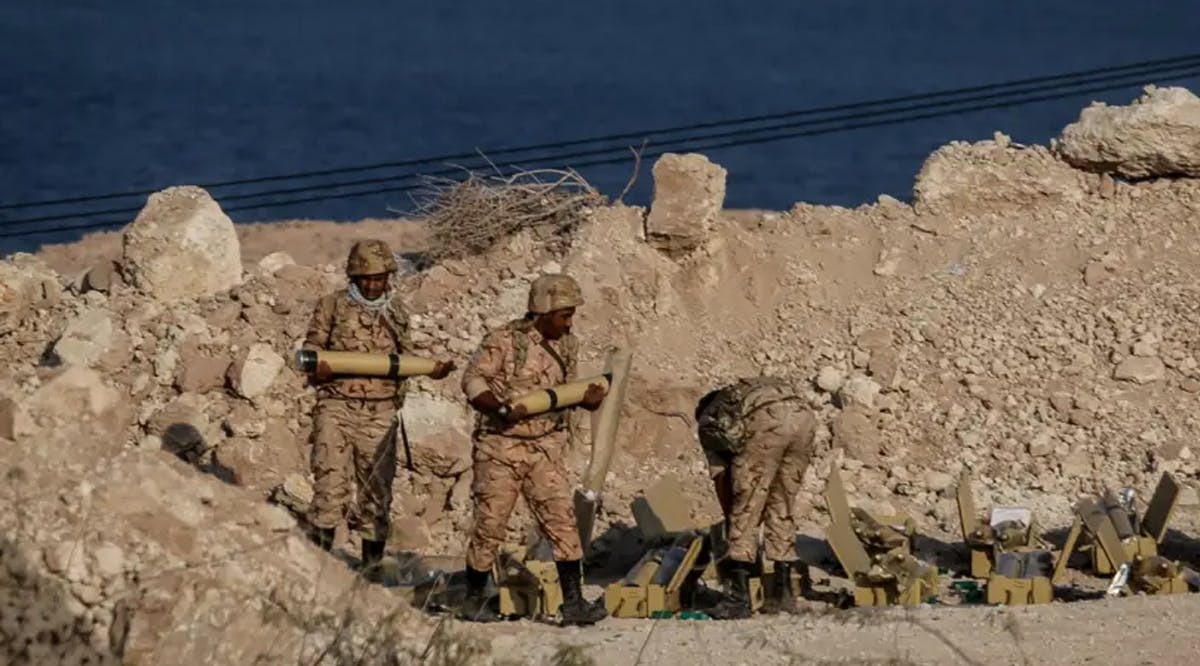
{"x": 1148, "y": 630}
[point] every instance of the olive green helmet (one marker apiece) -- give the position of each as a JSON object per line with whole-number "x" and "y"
{"x": 553, "y": 292}
{"x": 370, "y": 257}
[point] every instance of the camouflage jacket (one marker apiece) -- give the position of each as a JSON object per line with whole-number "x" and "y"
{"x": 724, "y": 425}
{"x": 514, "y": 360}
{"x": 340, "y": 324}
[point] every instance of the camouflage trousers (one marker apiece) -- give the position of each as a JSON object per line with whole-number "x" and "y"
{"x": 766, "y": 478}
{"x": 535, "y": 469}
{"x": 354, "y": 464}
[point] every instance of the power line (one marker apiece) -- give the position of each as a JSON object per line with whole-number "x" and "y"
{"x": 653, "y": 153}
{"x": 1177, "y": 61}
{"x": 1112, "y": 81}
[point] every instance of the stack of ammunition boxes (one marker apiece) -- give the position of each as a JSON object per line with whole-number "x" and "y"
{"x": 1004, "y": 553}
{"x": 1126, "y": 545}
{"x": 527, "y": 585}
{"x": 1021, "y": 578}
{"x": 876, "y": 552}
{"x": 1139, "y": 536}
{"x": 661, "y": 581}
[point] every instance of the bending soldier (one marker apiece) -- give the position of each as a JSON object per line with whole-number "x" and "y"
{"x": 525, "y": 455}
{"x": 354, "y": 423}
{"x": 758, "y": 438}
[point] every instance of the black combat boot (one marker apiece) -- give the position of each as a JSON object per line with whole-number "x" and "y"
{"x": 372, "y": 557}
{"x": 475, "y": 607}
{"x": 781, "y": 597}
{"x": 323, "y": 537}
{"x": 575, "y": 610}
{"x": 736, "y": 606}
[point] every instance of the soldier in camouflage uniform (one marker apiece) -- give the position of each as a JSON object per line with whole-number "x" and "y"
{"x": 519, "y": 455}
{"x": 758, "y": 438}
{"x": 354, "y": 424}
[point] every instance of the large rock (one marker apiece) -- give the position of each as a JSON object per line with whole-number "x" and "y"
{"x": 966, "y": 176}
{"x": 245, "y": 461}
{"x": 1140, "y": 370}
{"x": 86, "y": 338}
{"x": 104, "y": 277}
{"x": 272, "y": 263}
{"x": 859, "y": 391}
{"x": 25, "y": 284}
{"x": 689, "y": 192}
{"x": 409, "y": 535}
{"x": 1157, "y": 135}
{"x": 182, "y": 246}
{"x": 857, "y": 435}
{"x": 438, "y": 434}
{"x": 254, "y": 373}
{"x": 265, "y": 460}
{"x": 200, "y": 372}
{"x": 294, "y": 492}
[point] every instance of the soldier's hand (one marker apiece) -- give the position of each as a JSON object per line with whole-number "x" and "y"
{"x": 322, "y": 373}
{"x": 593, "y": 397}
{"x": 487, "y": 402}
{"x": 516, "y": 414}
{"x": 442, "y": 369}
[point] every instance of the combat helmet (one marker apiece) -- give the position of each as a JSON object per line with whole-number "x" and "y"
{"x": 370, "y": 257}
{"x": 553, "y": 292}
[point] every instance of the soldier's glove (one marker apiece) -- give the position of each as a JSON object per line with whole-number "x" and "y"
{"x": 515, "y": 414}
{"x": 487, "y": 402}
{"x": 593, "y": 397}
{"x": 442, "y": 369}
{"x": 321, "y": 374}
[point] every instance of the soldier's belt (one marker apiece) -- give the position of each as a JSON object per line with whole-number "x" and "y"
{"x": 494, "y": 426}
{"x": 555, "y": 397}
{"x": 391, "y": 366}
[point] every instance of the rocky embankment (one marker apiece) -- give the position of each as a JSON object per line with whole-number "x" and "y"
{"x": 1031, "y": 317}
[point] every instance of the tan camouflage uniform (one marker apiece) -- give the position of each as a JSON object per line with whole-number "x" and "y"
{"x": 526, "y": 457}
{"x": 354, "y": 424}
{"x": 760, "y": 427}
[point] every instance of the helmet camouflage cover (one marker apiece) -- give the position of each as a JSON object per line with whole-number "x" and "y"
{"x": 553, "y": 292}
{"x": 370, "y": 257}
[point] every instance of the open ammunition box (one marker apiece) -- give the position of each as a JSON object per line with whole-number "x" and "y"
{"x": 1139, "y": 537}
{"x": 661, "y": 581}
{"x": 895, "y": 579}
{"x": 527, "y": 587}
{"x": 1021, "y": 578}
{"x": 876, "y": 552}
{"x": 1134, "y": 559}
{"x": 1005, "y": 530}
{"x": 883, "y": 533}
{"x": 760, "y": 584}
{"x": 1157, "y": 575}
{"x": 878, "y": 534}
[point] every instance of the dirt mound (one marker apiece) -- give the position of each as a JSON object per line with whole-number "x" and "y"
{"x": 115, "y": 554}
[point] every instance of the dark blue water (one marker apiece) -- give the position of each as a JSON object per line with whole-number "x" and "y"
{"x": 100, "y": 97}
